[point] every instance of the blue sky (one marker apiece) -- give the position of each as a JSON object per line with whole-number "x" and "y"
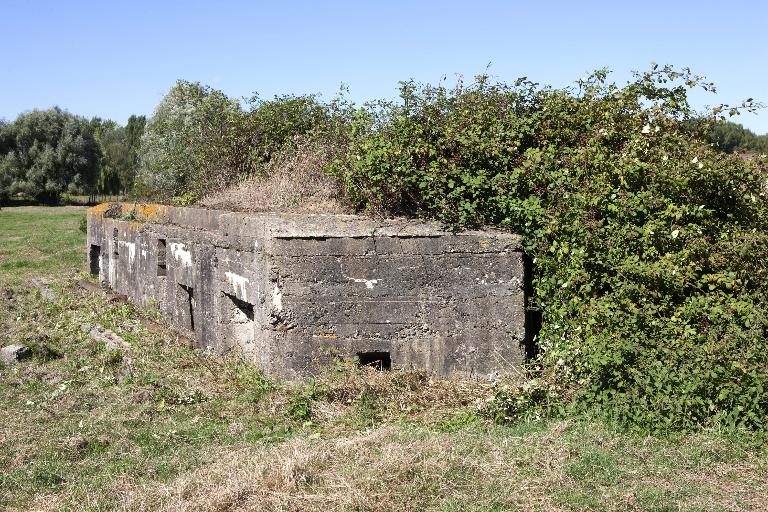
{"x": 114, "y": 59}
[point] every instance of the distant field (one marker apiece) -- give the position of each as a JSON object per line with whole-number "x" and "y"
{"x": 162, "y": 427}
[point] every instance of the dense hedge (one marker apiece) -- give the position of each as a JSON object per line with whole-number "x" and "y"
{"x": 649, "y": 246}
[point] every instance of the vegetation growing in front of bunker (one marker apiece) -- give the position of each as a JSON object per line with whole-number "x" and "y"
{"x": 649, "y": 244}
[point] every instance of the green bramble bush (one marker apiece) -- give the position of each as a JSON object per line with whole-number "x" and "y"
{"x": 649, "y": 246}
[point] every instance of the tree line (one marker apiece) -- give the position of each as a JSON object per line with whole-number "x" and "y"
{"x": 198, "y": 138}
{"x": 45, "y": 154}
{"x": 731, "y": 137}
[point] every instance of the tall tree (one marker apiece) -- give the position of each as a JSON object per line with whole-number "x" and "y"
{"x": 192, "y": 143}
{"x": 133, "y": 132}
{"x": 47, "y": 153}
{"x": 5, "y": 147}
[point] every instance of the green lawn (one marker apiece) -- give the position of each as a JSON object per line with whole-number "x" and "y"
{"x": 41, "y": 241}
{"x": 162, "y": 427}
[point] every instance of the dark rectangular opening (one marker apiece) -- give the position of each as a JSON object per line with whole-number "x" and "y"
{"x": 114, "y": 243}
{"x": 378, "y": 360}
{"x": 93, "y": 259}
{"x": 162, "y": 262}
{"x": 188, "y": 294}
{"x": 533, "y": 315}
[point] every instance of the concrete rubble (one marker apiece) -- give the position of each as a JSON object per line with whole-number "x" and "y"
{"x": 46, "y": 292}
{"x": 110, "y": 340}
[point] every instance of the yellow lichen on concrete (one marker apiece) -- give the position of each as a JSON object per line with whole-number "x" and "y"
{"x": 100, "y": 209}
{"x": 152, "y": 212}
{"x": 137, "y": 213}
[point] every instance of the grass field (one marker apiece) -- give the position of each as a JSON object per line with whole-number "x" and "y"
{"x": 162, "y": 427}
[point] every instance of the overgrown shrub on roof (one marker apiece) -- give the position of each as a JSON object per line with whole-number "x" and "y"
{"x": 200, "y": 140}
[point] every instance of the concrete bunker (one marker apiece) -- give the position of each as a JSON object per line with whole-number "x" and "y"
{"x": 292, "y": 292}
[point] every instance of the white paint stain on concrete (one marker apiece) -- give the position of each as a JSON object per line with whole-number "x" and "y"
{"x": 369, "y": 283}
{"x": 239, "y": 283}
{"x": 131, "y": 252}
{"x": 113, "y": 272}
{"x": 277, "y": 299}
{"x": 181, "y": 254}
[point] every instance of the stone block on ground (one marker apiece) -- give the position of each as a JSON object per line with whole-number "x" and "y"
{"x": 14, "y": 353}
{"x": 46, "y": 292}
{"x": 111, "y": 340}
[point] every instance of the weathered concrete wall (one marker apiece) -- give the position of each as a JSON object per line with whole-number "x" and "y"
{"x": 291, "y": 292}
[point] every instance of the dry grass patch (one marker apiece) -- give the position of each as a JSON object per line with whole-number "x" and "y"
{"x": 385, "y": 469}
{"x": 364, "y": 397}
{"x": 293, "y": 181}
{"x": 564, "y": 466}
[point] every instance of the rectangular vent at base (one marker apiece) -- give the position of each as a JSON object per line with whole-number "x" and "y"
{"x": 378, "y": 360}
